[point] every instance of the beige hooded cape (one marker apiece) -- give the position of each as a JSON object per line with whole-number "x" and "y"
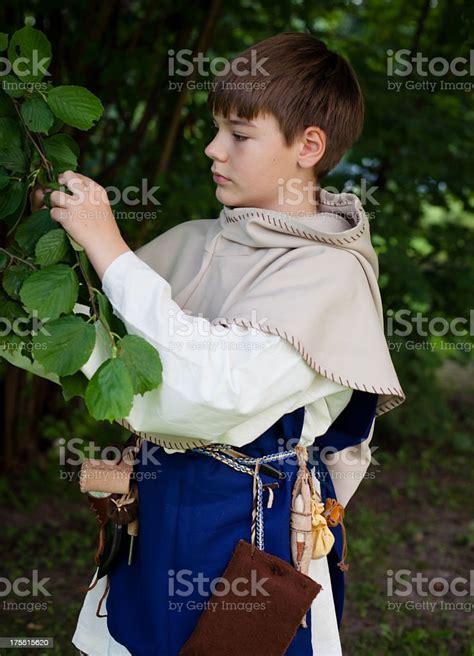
{"x": 312, "y": 280}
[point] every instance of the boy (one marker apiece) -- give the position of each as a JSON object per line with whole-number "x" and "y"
{"x": 293, "y": 266}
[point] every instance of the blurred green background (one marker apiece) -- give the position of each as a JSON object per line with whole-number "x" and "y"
{"x": 416, "y": 150}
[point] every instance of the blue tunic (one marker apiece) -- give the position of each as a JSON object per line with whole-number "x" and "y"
{"x": 193, "y": 510}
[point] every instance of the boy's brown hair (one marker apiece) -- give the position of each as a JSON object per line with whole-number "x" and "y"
{"x": 303, "y": 83}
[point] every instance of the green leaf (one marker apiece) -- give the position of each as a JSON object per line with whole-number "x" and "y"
{"x": 13, "y": 279}
{"x": 12, "y": 197}
{"x": 54, "y": 186}
{"x": 47, "y": 199}
{"x": 6, "y": 105}
{"x": 52, "y": 247}
{"x": 105, "y": 309}
{"x": 67, "y": 347}
{"x": 74, "y": 244}
{"x": 13, "y": 158}
{"x": 12, "y": 155}
{"x": 57, "y": 125}
{"x": 4, "y": 179}
{"x": 106, "y": 314}
{"x": 10, "y": 311}
{"x": 109, "y": 394}
{"x": 75, "y": 106}
{"x": 10, "y": 132}
{"x": 74, "y": 385}
{"x": 59, "y": 153}
{"x": 3, "y": 41}
{"x": 85, "y": 263}
{"x": 30, "y": 54}
{"x": 31, "y": 229}
{"x": 68, "y": 141}
{"x": 16, "y": 343}
{"x": 37, "y": 115}
{"x": 4, "y": 260}
{"x": 142, "y": 361}
{"x": 13, "y": 87}
{"x": 12, "y": 219}
{"x": 51, "y": 291}
{"x": 14, "y": 322}
{"x": 17, "y": 358}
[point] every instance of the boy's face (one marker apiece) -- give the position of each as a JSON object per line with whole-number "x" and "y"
{"x": 256, "y": 164}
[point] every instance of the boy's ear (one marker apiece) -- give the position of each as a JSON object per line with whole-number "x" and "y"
{"x": 312, "y": 147}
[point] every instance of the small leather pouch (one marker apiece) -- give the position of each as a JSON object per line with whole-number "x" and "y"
{"x": 323, "y": 538}
{"x": 228, "y": 626}
{"x": 107, "y": 475}
{"x": 114, "y": 499}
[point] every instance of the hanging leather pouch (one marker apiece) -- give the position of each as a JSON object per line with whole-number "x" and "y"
{"x": 228, "y": 626}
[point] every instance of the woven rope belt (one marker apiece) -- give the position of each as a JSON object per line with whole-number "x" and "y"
{"x": 252, "y": 467}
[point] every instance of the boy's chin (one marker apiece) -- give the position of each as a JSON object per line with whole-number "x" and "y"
{"x": 231, "y": 199}
{"x": 226, "y": 198}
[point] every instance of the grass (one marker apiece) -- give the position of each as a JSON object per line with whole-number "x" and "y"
{"x": 48, "y": 527}
{"x": 419, "y": 521}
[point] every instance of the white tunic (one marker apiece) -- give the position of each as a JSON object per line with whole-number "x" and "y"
{"x": 227, "y": 387}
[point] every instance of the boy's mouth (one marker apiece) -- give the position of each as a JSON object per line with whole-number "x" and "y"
{"x": 219, "y": 178}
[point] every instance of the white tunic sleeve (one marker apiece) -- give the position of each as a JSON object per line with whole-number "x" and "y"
{"x": 219, "y": 384}
{"x": 349, "y": 468}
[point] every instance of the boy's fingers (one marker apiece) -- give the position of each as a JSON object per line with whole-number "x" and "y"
{"x": 66, "y": 176}
{"x": 36, "y": 198}
{"x": 36, "y": 193}
{"x": 59, "y": 199}
{"x": 75, "y": 182}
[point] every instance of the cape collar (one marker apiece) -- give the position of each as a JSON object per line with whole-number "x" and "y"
{"x": 340, "y": 219}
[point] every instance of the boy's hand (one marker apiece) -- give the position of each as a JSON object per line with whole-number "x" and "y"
{"x": 37, "y": 198}
{"x": 87, "y": 216}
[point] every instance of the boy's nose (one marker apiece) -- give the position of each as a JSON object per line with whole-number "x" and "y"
{"x": 215, "y": 151}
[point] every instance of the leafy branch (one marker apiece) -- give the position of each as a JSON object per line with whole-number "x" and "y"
{"x": 45, "y": 275}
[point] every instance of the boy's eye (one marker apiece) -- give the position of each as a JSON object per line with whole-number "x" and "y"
{"x": 237, "y": 137}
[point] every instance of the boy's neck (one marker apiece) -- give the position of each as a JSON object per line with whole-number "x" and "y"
{"x": 308, "y": 206}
